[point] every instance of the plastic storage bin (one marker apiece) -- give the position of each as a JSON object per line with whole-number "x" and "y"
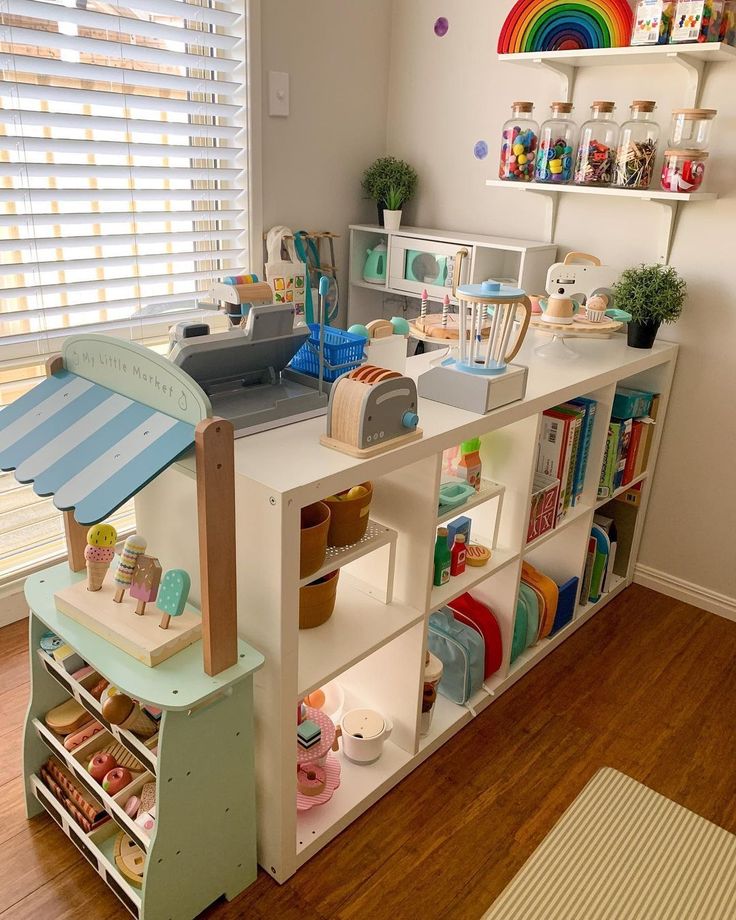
{"x": 556, "y": 145}
{"x": 519, "y": 144}
{"x": 637, "y": 148}
{"x": 683, "y": 170}
{"x": 597, "y": 147}
{"x": 690, "y": 128}
{"x": 344, "y": 351}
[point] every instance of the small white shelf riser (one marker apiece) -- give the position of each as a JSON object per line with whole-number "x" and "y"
{"x": 377, "y": 650}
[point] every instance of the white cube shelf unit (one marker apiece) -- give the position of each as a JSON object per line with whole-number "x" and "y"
{"x": 375, "y": 642}
{"x": 523, "y": 262}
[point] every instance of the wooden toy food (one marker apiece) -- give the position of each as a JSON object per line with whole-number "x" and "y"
{"x": 130, "y": 859}
{"x": 316, "y": 699}
{"x": 116, "y": 780}
{"x": 134, "y": 547}
{"x": 477, "y": 555}
{"x": 73, "y": 741}
{"x": 66, "y": 718}
{"x": 311, "y": 779}
{"x": 121, "y": 710}
{"x": 173, "y": 594}
{"x": 100, "y": 765}
{"x": 99, "y": 553}
{"x": 146, "y": 579}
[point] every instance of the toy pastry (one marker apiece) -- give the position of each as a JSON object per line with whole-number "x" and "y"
{"x": 477, "y": 555}
{"x": 146, "y": 579}
{"x": 308, "y": 734}
{"x": 311, "y": 779}
{"x": 92, "y": 728}
{"x": 67, "y": 718}
{"x": 100, "y": 765}
{"x": 134, "y": 547}
{"x": 99, "y": 553}
{"x": 116, "y": 780}
{"x": 132, "y": 805}
{"x": 119, "y": 709}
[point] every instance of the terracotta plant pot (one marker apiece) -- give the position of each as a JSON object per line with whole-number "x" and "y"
{"x": 348, "y": 517}
{"x": 315, "y": 526}
{"x": 317, "y": 601}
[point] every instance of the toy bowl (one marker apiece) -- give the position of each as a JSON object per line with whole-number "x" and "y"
{"x": 317, "y": 601}
{"x": 315, "y": 526}
{"x": 348, "y": 516}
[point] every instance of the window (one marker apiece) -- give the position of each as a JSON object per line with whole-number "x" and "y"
{"x": 123, "y": 183}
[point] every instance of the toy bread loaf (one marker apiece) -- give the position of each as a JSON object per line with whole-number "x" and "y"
{"x": 66, "y": 718}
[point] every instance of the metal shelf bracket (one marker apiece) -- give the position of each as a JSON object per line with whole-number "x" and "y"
{"x": 566, "y": 73}
{"x": 695, "y": 70}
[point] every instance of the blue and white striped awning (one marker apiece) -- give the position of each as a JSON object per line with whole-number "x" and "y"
{"x": 90, "y": 447}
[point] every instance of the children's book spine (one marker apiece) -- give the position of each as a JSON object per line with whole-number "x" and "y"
{"x": 589, "y": 407}
{"x": 634, "y": 448}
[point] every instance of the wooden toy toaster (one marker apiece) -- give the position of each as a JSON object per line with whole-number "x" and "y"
{"x": 371, "y": 410}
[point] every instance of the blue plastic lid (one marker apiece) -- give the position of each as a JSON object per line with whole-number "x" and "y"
{"x": 490, "y": 289}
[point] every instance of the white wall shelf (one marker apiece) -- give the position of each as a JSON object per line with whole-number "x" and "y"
{"x": 692, "y": 58}
{"x": 376, "y": 650}
{"x": 669, "y": 203}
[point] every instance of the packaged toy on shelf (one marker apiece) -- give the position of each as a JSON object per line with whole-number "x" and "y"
{"x": 469, "y": 465}
{"x": 697, "y": 21}
{"x": 519, "y": 144}
{"x": 652, "y": 22}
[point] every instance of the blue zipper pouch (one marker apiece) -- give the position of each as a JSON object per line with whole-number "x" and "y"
{"x": 462, "y": 653}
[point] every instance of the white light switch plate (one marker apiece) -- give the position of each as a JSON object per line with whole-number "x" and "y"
{"x": 278, "y": 93}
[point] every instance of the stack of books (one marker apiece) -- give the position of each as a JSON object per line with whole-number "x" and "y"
{"x": 629, "y": 439}
{"x": 599, "y": 560}
{"x": 564, "y": 446}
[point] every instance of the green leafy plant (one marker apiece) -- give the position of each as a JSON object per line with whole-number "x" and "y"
{"x": 651, "y": 293}
{"x": 389, "y": 176}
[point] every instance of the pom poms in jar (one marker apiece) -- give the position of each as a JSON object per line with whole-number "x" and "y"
{"x": 556, "y": 140}
{"x": 519, "y": 144}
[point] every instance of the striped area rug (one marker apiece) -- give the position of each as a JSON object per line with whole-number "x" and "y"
{"x": 623, "y": 852}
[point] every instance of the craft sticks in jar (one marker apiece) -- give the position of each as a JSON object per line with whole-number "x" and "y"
{"x": 637, "y": 148}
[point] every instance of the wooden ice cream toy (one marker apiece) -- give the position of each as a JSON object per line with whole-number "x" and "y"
{"x": 134, "y": 548}
{"x": 99, "y": 553}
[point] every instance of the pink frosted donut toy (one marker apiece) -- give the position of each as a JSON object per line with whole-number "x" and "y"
{"x": 311, "y": 779}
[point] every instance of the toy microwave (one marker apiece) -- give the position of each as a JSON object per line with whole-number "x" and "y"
{"x": 416, "y": 265}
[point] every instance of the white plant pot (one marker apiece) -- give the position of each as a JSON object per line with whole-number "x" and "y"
{"x": 391, "y": 220}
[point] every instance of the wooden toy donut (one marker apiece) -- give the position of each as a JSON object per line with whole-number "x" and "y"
{"x": 311, "y": 779}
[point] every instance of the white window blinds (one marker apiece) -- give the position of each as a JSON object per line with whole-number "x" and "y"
{"x": 123, "y": 175}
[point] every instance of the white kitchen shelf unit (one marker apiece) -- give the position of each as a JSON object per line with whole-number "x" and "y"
{"x": 669, "y": 203}
{"x": 375, "y": 650}
{"x": 524, "y": 262}
{"x": 693, "y": 58}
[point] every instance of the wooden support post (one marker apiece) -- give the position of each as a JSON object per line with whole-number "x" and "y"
{"x": 215, "y": 455}
{"x": 76, "y": 535}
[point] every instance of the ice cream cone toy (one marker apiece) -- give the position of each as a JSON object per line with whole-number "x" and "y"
{"x": 134, "y": 547}
{"x": 146, "y": 579}
{"x": 172, "y": 597}
{"x": 119, "y": 709}
{"x": 99, "y": 553}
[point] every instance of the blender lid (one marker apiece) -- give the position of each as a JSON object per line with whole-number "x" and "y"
{"x": 363, "y": 723}
{"x": 433, "y": 669}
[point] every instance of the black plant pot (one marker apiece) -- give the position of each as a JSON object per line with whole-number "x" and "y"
{"x": 642, "y": 335}
{"x": 379, "y": 207}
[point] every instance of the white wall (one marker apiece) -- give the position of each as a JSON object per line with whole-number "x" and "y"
{"x": 337, "y": 55}
{"x": 447, "y": 93}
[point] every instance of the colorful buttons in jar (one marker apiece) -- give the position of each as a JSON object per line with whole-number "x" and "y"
{"x": 683, "y": 170}
{"x": 597, "y": 147}
{"x": 519, "y": 144}
{"x": 556, "y": 142}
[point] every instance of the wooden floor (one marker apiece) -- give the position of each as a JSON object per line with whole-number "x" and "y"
{"x": 648, "y": 687}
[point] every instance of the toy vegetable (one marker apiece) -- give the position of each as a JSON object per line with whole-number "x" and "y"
{"x": 134, "y": 547}
{"x": 146, "y": 579}
{"x": 172, "y": 597}
{"x": 99, "y": 553}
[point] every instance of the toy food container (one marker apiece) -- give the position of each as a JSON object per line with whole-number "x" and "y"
{"x": 683, "y": 170}
{"x": 691, "y": 128}
{"x": 433, "y": 668}
{"x": 556, "y": 145}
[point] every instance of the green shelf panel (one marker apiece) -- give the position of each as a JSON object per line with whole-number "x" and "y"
{"x": 179, "y": 683}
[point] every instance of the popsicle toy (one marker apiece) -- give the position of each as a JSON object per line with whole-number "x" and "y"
{"x": 99, "y": 553}
{"x": 172, "y": 597}
{"x": 134, "y": 547}
{"x": 146, "y": 579}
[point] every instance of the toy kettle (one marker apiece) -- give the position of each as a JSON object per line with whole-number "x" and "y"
{"x": 558, "y": 309}
{"x": 374, "y": 270}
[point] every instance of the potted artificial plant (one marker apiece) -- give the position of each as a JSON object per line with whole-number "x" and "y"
{"x": 652, "y": 294}
{"x": 390, "y": 183}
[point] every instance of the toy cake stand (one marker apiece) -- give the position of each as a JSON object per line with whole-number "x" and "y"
{"x": 580, "y": 328}
{"x": 429, "y": 328}
{"x": 318, "y": 752}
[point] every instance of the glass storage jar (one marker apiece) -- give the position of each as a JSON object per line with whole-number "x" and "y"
{"x": 683, "y": 170}
{"x": 637, "y": 148}
{"x": 519, "y": 144}
{"x": 597, "y": 147}
{"x": 556, "y": 143}
{"x": 691, "y": 128}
